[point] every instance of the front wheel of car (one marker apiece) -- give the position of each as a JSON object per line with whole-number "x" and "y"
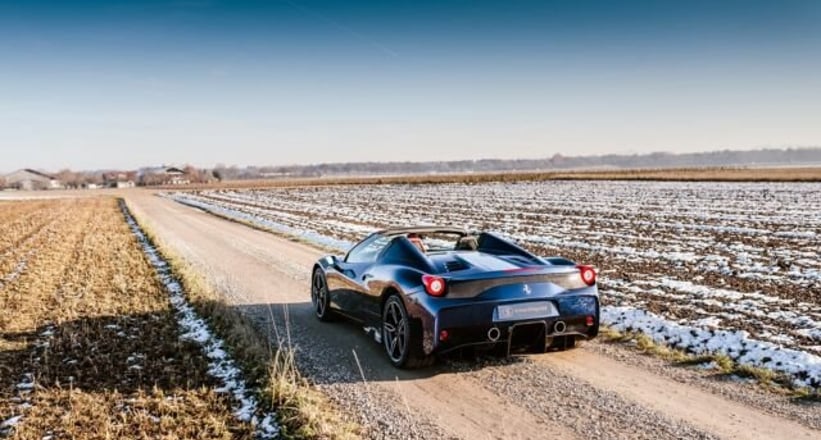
{"x": 402, "y": 345}
{"x": 320, "y": 298}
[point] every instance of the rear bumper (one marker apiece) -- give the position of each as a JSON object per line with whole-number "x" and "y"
{"x": 471, "y": 323}
{"x": 530, "y": 336}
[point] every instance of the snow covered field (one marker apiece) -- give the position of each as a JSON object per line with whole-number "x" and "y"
{"x": 734, "y": 265}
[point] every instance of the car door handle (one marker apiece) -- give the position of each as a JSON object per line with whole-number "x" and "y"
{"x": 366, "y": 276}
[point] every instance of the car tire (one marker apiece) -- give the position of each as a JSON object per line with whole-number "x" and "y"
{"x": 402, "y": 343}
{"x": 320, "y": 297}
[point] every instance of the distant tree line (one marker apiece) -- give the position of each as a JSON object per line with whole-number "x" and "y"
{"x": 725, "y": 158}
{"x": 79, "y": 179}
{"x": 789, "y": 156}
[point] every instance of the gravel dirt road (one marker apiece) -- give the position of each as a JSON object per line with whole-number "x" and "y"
{"x": 590, "y": 391}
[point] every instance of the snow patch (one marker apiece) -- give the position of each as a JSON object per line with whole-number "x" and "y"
{"x": 804, "y": 368}
{"x": 8, "y": 423}
{"x": 709, "y": 322}
{"x": 375, "y": 333}
{"x": 305, "y": 234}
{"x": 712, "y": 365}
{"x": 26, "y": 387}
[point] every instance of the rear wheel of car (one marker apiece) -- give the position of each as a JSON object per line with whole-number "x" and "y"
{"x": 402, "y": 344}
{"x": 320, "y": 299}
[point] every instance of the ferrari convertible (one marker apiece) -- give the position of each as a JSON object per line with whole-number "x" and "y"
{"x": 431, "y": 290}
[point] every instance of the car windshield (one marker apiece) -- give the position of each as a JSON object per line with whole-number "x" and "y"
{"x": 428, "y": 242}
{"x": 368, "y": 250}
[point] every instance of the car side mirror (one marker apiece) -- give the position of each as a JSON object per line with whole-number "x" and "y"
{"x": 334, "y": 260}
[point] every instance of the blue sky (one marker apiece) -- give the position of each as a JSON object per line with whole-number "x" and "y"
{"x": 113, "y": 84}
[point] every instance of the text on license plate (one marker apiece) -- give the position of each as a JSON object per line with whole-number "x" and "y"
{"x": 528, "y": 310}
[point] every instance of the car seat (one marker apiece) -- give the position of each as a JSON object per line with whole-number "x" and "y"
{"x": 467, "y": 243}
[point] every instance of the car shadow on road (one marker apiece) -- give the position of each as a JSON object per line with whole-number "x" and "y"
{"x": 327, "y": 350}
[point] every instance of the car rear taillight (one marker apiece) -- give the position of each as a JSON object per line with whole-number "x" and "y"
{"x": 588, "y": 274}
{"x": 435, "y": 286}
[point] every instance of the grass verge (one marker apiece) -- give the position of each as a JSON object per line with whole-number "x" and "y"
{"x": 768, "y": 379}
{"x": 304, "y": 413}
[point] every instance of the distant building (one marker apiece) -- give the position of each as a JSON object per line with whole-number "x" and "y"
{"x": 120, "y": 179}
{"x": 163, "y": 176}
{"x": 28, "y": 179}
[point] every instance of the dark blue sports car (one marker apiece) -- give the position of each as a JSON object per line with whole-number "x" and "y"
{"x": 429, "y": 290}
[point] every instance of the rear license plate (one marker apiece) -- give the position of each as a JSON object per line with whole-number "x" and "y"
{"x": 528, "y": 310}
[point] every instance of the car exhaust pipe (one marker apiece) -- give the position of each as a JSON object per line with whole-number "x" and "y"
{"x": 559, "y": 327}
{"x": 493, "y": 334}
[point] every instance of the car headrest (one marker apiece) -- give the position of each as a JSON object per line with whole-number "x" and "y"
{"x": 467, "y": 243}
{"x": 416, "y": 241}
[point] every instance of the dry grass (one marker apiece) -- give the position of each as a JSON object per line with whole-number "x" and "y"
{"x": 303, "y": 411}
{"x": 90, "y": 325}
{"x": 725, "y": 366}
{"x": 729, "y": 174}
{"x": 20, "y": 221}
